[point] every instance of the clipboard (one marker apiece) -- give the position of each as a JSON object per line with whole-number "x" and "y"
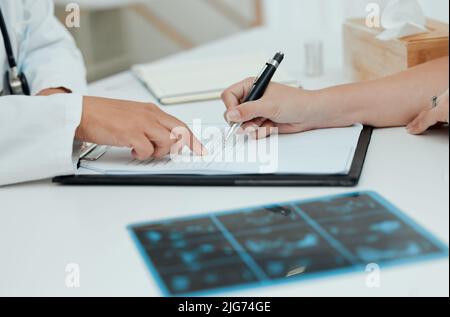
{"x": 260, "y": 180}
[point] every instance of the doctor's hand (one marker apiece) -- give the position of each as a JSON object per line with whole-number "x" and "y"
{"x": 431, "y": 117}
{"x": 143, "y": 127}
{"x": 282, "y": 109}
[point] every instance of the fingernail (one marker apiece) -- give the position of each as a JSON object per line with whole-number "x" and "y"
{"x": 234, "y": 115}
{"x": 251, "y": 129}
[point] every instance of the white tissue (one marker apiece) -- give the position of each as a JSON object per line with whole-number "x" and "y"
{"x": 402, "y": 18}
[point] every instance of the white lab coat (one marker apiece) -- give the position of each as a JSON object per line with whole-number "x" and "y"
{"x": 37, "y": 133}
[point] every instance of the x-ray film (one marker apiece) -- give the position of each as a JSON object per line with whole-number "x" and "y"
{"x": 290, "y": 242}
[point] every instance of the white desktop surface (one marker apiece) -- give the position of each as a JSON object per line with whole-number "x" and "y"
{"x": 44, "y": 226}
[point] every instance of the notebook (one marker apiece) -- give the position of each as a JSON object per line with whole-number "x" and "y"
{"x": 175, "y": 83}
{"x": 320, "y": 152}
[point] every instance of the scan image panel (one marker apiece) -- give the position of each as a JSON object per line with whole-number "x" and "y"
{"x": 289, "y": 242}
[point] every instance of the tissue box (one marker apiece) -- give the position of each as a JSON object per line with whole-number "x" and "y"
{"x": 366, "y": 57}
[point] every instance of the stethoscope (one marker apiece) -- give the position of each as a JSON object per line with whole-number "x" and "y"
{"x": 16, "y": 83}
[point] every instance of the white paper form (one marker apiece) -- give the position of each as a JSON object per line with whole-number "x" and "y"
{"x": 323, "y": 152}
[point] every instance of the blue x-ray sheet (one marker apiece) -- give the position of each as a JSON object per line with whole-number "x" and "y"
{"x": 280, "y": 243}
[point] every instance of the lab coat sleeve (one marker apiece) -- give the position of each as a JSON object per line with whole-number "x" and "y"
{"x": 36, "y": 136}
{"x": 50, "y": 58}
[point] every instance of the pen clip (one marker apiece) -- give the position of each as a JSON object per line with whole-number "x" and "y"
{"x": 92, "y": 152}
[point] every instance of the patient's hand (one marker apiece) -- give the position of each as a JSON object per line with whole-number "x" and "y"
{"x": 282, "y": 109}
{"x": 431, "y": 117}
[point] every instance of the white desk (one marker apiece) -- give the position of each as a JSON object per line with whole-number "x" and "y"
{"x": 43, "y": 226}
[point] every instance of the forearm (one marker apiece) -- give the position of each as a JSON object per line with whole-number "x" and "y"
{"x": 392, "y": 101}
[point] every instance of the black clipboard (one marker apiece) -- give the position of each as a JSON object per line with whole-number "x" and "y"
{"x": 295, "y": 180}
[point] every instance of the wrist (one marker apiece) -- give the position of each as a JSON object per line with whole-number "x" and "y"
{"x": 314, "y": 109}
{"x": 337, "y": 107}
{"x": 80, "y": 134}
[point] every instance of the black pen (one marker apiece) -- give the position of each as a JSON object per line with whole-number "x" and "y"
{"x": 259, "y": 88}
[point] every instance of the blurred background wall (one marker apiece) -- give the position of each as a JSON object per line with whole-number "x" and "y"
{"x": 116, "y": 34}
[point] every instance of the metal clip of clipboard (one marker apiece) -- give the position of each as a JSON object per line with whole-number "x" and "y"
{"x": 93, "y": 152}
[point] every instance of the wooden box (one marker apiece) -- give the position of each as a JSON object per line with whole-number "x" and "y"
{"x": 366, "y": 57}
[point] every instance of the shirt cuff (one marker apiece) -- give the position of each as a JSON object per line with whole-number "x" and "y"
{"x": 68, "y": 152}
